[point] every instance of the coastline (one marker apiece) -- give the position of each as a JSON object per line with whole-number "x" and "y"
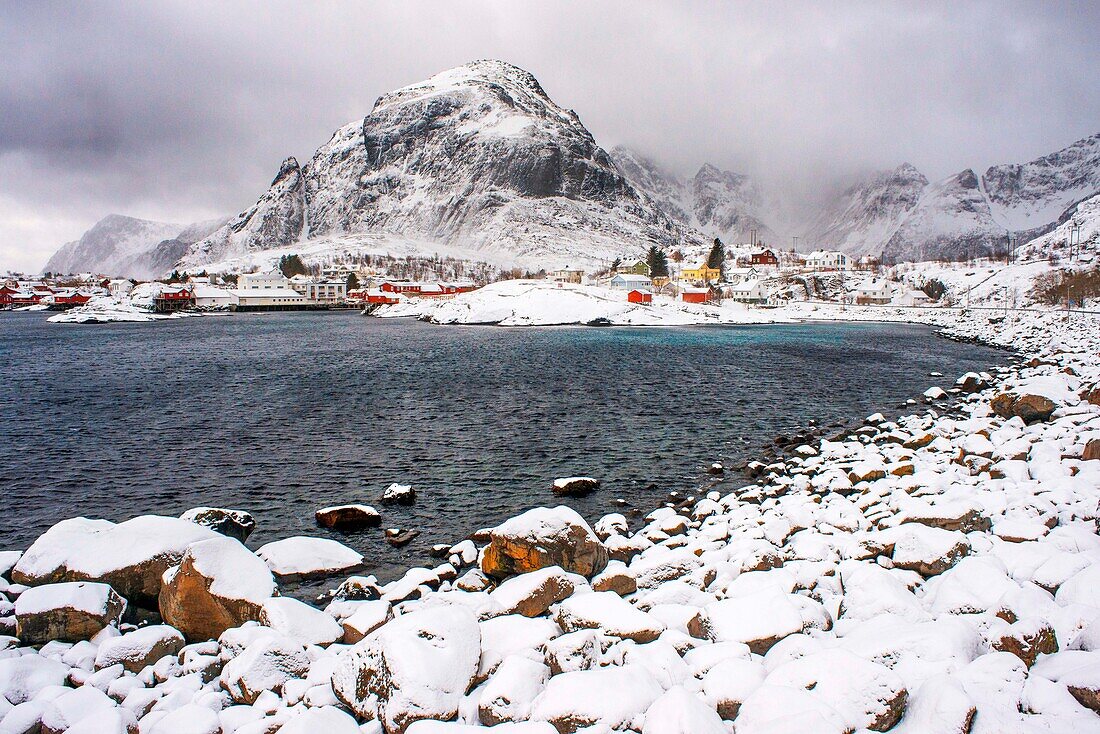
{"x": 806, "y": 541}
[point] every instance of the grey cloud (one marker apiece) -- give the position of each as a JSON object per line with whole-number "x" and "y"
{"x": 181, "y": 111}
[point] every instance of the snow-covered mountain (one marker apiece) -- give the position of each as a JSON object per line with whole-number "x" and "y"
{"x": 897, "y": 213}
{"x": 477, "y": 157}
{"x": 125, "y": 246}
{"x": 868, "y": 213}
{"x": 716, "y": 202}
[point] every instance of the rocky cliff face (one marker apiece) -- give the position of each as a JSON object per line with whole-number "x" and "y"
{"x": 478, "y": 156}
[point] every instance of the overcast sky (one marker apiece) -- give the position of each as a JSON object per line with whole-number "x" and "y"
{"x": 183, "y": 111}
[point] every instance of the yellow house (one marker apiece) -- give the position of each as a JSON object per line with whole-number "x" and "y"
{"x": 700, "y": 273}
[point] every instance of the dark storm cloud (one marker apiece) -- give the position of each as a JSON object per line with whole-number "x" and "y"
{"x": 184, "y": 111}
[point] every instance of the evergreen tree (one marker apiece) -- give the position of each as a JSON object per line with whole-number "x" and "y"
{"x": 717, "y": 257}
{"x": 292, "y": 265}
{"x": 657, "y": 262}
{"x": 353, "y": 282}
{"x": 175, "y": 277}
{"x": 615, "y": 264}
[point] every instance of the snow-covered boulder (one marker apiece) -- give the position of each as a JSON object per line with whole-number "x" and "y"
{"x": 866, "y": 694}
{"x": 300, "y": 621}
{"x": 927, "y": 550}
{"x": 348, "y": 517}
{"x": 218, "y": 585}
{"x": 265, "y": 665}
{"x": 74, "y": 706}
{"x": 419, "y": 666}
{"x": 544, "y": 537}
{"x": 302, "y": 557}
{"x": 323, "y": 720}
{"x": 783, "y": 710}
{"x": 759, "y": 620}
{"x": 134, "y": 650}
{"x": 191, "y": 718}
{"x": 679, "y": 712}
{"x": 399, "y": 494}
{"x": 23, "y": 677}
{"x": 71, "y": 611}
{"x": 727, "y": 684}
{"x": 574, "y": 651}
{"x": 616, "y": 697}
{"x": 531, "y": 594}
{"x": 234, "y": 523}
{"x": 512, "y": 689}
{"x": 609, "y": 613}
{"x": 367, "y": 617}
{"x": 131, "y": 556}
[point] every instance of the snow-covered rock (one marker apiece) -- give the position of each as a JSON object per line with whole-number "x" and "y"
{"x": 418, "y": 666}
{"x": 71, "y": 611}
{"x": 134, "y": 650}
{"x": 131, "y": 556}
{"x": 616, "y": 697}
{"x": 264, "y": 665}
{"x": 234, "y": 523}
{"x": 300, "y": 621}
{"x": 302, "y": 557}
{"x": 531, "y": 594}
{"x": 218, "y": 585}
{"x": 544, "y": 537}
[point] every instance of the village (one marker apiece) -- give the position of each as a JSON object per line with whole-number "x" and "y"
{"x": 753, "y": 275}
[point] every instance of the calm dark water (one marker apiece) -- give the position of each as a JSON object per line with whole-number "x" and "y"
{"x": 281, "y": 414}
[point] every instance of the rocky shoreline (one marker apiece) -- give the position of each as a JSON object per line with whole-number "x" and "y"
{"x": 931, "y": 573}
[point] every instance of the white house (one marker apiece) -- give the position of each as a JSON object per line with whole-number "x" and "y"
{"x": 121, "y": 287}
{"x": 749, "y": 291}
{"x": 324, "y": 291}
{"x": 877, "y": 292}
{"x": 568, "y": 275}
{"x": 827, "y": 260}
{"x": 267, "y": 289}
{"x": 740, "y": 275}
{"x": 912, "y": 298}
{"x": 210, "y": 296}
{"x": 630, "y": 281}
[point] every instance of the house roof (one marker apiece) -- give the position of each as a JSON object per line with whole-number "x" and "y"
{"x": 633, "y": 278}
{"x": 689, "y": 289}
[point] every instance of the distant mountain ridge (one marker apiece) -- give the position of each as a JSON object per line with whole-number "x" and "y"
{"x": 897, "y": 214}
{"x": 129, "y": 247}
{"x": 479, "y": 160}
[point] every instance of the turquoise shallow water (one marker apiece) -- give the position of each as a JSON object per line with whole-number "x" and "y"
{"x": 281, "y": 414}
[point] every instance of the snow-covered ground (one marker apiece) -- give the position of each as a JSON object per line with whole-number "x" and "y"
{"x": 545, "y": 303}
{"x": 936, "y": 571}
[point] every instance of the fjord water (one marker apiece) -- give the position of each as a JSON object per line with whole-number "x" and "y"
{"x": 281, "y": 414}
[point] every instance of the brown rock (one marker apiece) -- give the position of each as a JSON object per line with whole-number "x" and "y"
{"x": 575, "y": 486}
{"x": 1027, "y": 645}
{"x": 903, "y": 470}
{"x": 1002, "y": 405}
{"x": 531, "y": 594}
{"x": 619, "y": 581}
{"x": 1087, "y": 696}
{"x": 348, "y": 516}
{"x": 895, "y": 707}
{"x": 919, "y": 441}
{"x": 1092, "y": 395}
{"x": 190, "y": 603}
{"x": 1033, "y": 408}
{"x": 1092, "y": 450}
{"x": 544, "y": 537}
{"x": 70, "y": 611}
{"x": 965, "y": 522}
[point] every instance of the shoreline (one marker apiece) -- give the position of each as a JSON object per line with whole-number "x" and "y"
{"x": 871, "y": 488}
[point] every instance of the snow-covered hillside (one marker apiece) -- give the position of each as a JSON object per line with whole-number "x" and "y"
{"x": 545, "y": 303}
{"x": 478, "y": 157}
{"x": 125, "y": 246}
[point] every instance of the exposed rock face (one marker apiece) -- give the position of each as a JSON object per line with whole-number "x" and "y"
{"x": 1031, "y": 408}
{"x": 1092, "y": 450}
{"x": 531, "y": 594}
{"x": 234, "y": 523}
{"x": 478, "y": 156}
{"x": 219, "y": 584}
{"x": 575, "y": 486}
{"x": 71, "y": 611}
{"x": 544, "y": 537}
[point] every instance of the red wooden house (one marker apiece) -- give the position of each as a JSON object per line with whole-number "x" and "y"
{"x": 695, "y": 295}
{"x": 174, "y": 298}
{"x": 7, "y": 294}
{"x": 765, "y": 257}
{"x": 71, "y": 298}
{"x": 391, "y": 286}
{"x": 639, "y": 296}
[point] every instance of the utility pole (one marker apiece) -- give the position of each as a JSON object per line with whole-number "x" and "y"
{"x": 1075, "y": 241}
{"x": 1013, "y": 239}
